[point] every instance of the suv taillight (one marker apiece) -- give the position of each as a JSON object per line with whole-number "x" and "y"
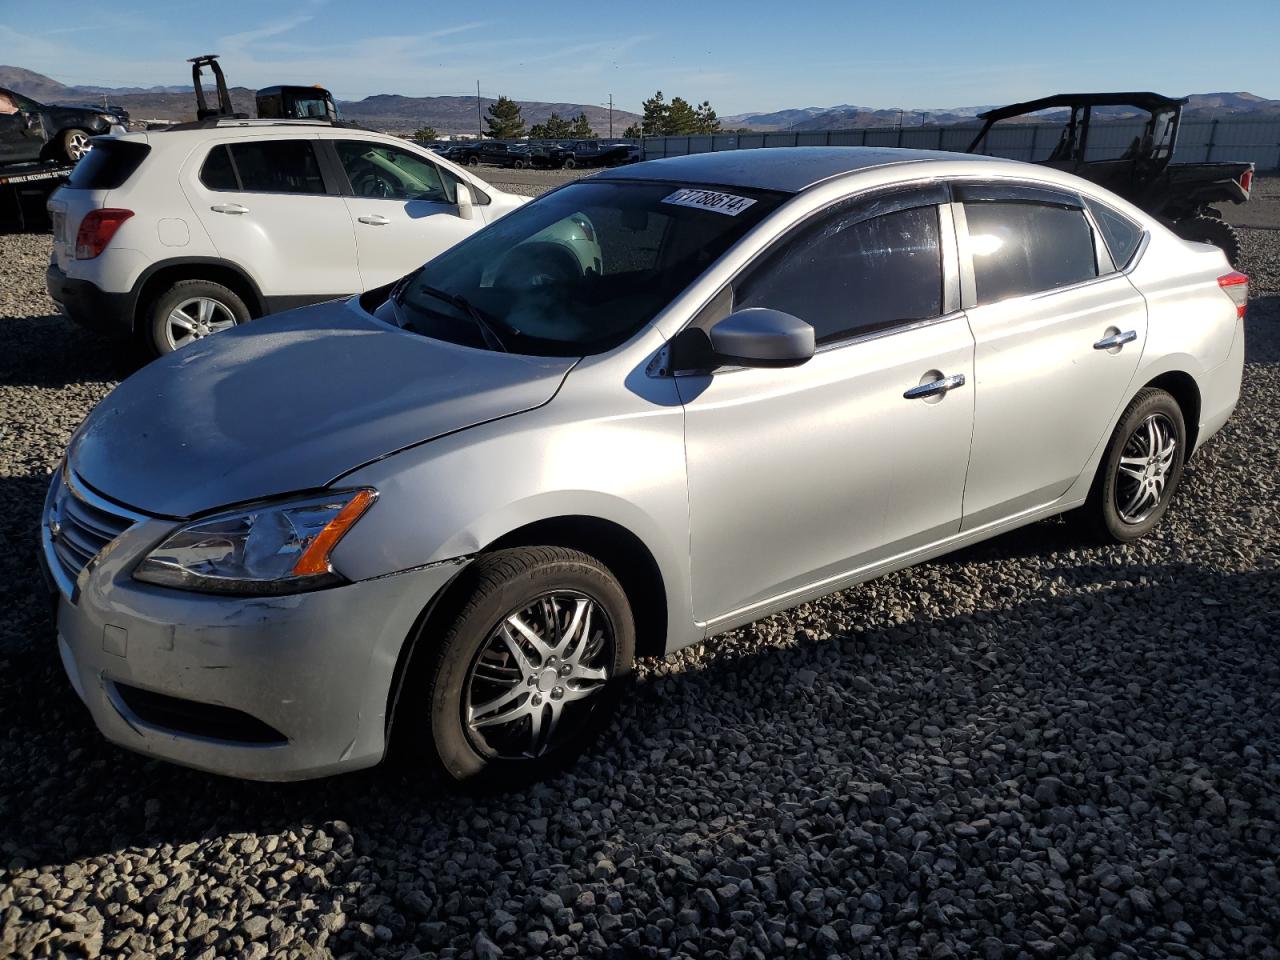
{"x": 1246, "y": 181}
{"x": 1236, "y": 286}
{"x": 97, "y": 229}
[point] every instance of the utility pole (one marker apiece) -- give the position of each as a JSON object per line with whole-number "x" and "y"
{"x": 479, "y": 115}
{"x": 611, "y": 116}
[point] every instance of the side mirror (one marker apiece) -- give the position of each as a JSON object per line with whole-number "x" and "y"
{"x": 465, "y": 208}
{"x": 760, "y": 337}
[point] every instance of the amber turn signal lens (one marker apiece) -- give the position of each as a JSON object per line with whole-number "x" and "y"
{"x": 315, "y": 559}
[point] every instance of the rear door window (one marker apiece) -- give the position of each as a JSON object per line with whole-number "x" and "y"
{"x": 277, "y": 166}
{"x": 847, "y": 275}
{"x": 1022, "y": 247}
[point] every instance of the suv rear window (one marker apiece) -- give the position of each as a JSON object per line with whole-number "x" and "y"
{"x": 264, "y": 166}
{"x": 108, "y": 165}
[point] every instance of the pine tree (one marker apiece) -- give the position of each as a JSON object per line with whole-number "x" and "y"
{"x": 555, "y": 127}
{"x": 426, "y": 133}
{"x": 505, "y": 121}
{"x": 633, "y": 132}
{"x": 682, "y": 119}
{"x": 654, "y": 123}
{"x": 706, "y": 120}
{"x": 581, "y": 129}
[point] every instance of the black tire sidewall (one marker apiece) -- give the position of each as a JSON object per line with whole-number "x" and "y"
{"x": 64, "y": 141}
{"x": 157, "y": 317}
{"x": 438, "y": 727}
{"x": 1103, "y": 510}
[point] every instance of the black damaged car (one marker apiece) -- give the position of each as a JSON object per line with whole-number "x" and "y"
{"x": 30, "y": 130}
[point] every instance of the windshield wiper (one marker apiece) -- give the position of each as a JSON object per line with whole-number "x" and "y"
{"x": 473, "y": 313}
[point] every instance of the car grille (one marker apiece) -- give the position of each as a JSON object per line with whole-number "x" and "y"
{"x": 78, "y": 527}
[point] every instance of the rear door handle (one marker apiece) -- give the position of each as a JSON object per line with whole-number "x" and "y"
{"x": 1116, "y": 340}
{"x": 375, "y": 220}
{"x": 229, "y": 208}
{"x": 935, "y": 387}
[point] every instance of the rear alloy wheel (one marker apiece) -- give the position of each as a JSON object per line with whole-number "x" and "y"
{"x": 1141, "y": 468}
{"x": 191, "y": 310}
{"x": 528, "y": 672}
{"x": 1211, "y": 230}
{"x": 75, "y": 144}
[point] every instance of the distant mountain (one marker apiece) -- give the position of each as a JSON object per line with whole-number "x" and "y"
{"x": 452, "y": 115}
{"x": 390, "y": 112}
{"x": 1201, "y": 106}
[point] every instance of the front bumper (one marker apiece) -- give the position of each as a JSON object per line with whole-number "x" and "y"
{"x": 316, "y": 668}
{"x": 87, "y": 304}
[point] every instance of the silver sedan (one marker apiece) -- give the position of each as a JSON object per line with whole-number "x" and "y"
{"x": 645, "y": 409}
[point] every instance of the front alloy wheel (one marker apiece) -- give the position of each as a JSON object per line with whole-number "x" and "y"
{"x": 518, "y": 669}
{"x": 545, "y": 662}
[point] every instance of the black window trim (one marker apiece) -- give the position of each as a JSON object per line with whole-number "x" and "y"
{"x": 330, "y": 186}
{"x": 911, "y": 196}
{"x": 978, "y": 191}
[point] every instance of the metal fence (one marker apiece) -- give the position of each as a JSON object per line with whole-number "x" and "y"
{"x": 1198, "y": 140}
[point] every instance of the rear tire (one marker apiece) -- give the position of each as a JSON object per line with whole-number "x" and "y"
{"x": 205, "y": 307}
{"x": 464, "y": 676}
{"x": 74, "y": 144}
{"x": 473, "y": 161}
{"x": 1140, "y": 470}
{"x": 1211, "y": 230}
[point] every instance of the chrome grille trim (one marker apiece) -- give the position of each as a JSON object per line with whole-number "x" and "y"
{"x": 77, "y": 526}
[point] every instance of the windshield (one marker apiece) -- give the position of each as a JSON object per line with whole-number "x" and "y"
{"x": 578, "y": 271}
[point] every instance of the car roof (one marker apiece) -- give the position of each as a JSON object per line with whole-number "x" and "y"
{"x": 787, "y": 169}
{"x": 1142, "y": 100}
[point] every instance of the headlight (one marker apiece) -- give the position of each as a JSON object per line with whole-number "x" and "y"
{"x": 267, "y": 548}
{"x": 108, "y": 117}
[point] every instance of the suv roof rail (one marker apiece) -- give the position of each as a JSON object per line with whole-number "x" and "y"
{"x": 244, "y": 120}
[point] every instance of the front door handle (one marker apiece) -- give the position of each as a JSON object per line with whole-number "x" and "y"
{"x": 229, "y": 208}
{"x": 1116, "y": 340}
{"x": 935, "y": 387}
{"x": 375, "y": 220}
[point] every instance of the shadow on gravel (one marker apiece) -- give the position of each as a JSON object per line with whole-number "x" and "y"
{"x": 52, "y": 351}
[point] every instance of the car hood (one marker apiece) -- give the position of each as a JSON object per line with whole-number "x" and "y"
{"x": 291, "y": 403}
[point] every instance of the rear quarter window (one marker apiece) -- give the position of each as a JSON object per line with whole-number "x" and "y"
{"x": 108, "y": 165}
{"x": 1121, "y": 234}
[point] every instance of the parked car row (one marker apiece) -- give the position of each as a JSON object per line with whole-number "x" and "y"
{"x": 644, "y": 409}
{"x": 552, "y": 154}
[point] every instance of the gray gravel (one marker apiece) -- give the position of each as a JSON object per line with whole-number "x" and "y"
{"x": 1030, "y": 749}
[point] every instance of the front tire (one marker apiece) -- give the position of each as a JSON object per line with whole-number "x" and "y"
{"x": 191, "y": 310}
{"x": 1211, "y": 230}
{"x": 570, "y": 163}
{"x": 1140, "y": 470}
{"x": 520, "y": 680}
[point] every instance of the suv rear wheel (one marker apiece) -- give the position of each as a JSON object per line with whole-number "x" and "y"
{"x": 191, "y": 310}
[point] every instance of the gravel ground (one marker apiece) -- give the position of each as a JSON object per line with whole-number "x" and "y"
{"x": 1030, "y": 749}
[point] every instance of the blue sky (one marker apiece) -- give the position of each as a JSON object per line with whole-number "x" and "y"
{"x": 740, "y": 54}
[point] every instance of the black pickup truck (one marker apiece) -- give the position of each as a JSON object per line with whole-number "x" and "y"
{"x": 1183, "y": 195}
{"x": 30, "y": 130}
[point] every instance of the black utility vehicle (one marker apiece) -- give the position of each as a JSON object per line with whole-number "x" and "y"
{"x": 1183, "y": 195}
{"x": 30, "y": 130}
{"x": 601, "y": 153}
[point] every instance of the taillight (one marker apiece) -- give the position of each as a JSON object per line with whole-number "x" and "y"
{"x": 1246, "y": 181}
{"x": 1236, "y": 286}
{"x": 97, "y": 229}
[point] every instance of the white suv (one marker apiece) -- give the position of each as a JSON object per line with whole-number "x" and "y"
{"x": 177, "y": 234}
